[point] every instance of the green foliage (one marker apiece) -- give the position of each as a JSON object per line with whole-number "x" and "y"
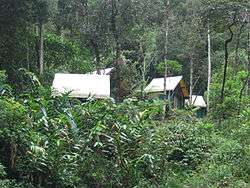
{"x": 71, "y": 144}
{"x": 5, "y": 183}
{"x": 42, "y": 11}
{"x": 52, "y": 141}
{"x": 3, "y": 77}
{"x": 12, "y": 120}
{"x": 12, "y": 184}
{"x": 4, "y": 87}
{"x": 172, "y": 66}
{"x": 63, "y": 55}
{"x": 232, "y": 103}
{"x": 2, "y": 172}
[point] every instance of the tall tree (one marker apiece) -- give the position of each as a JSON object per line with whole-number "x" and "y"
{"x": 209, "y": 68}
{"x": 225, "y": 17}
{"x": 42, "y": 17}
{"x": 16, "y": 19}
{"x": 95, "y": 30}
{"x": 166, "y": 32}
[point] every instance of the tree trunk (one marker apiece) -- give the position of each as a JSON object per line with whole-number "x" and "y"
{"x": 242, "y": 90}
{"x": 196, "y": 81}
{"x": 97, "y": 55}
{"x": 13, "y": 152}
{"x": 27, "y": 54}
{"x": 114, "y": 13}
{"x": 40, "y": 52}
{"x": 166, "y": 99}
{"x": 165, "y": 83}
{"x": 246, "y": 83}
{"x": 143, "y": 73}
{"x": 191, "y": 78}
{"x": 226, "y": 62}
{"x": 209, "y": 70}
{"x": 248, "y": 58}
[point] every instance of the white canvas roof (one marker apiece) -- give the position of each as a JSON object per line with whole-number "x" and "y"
{"x": 198, "y": 101}
{"x": 106, "y": 71}
{"x": 157, "y": 84}
{"x": 82, "y": 85}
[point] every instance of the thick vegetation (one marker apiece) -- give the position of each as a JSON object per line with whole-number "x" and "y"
{"x": 56, "y": 142}
{"x": 48, "y": 141}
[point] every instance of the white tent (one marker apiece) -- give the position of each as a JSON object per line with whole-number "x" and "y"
{"x": 82, "y": 85}
{"x": 157, "y": 84}
{"x": 198, "y": 101}
{"x": 106, "y": 71}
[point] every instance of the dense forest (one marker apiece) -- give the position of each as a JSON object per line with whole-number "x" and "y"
{"x": 127, "y": 140}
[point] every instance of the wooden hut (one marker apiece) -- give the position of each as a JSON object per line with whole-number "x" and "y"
{"x": 176, "y": 88}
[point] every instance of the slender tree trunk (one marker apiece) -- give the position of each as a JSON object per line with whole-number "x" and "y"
{"x": 196, "y": 81}
{"x": 165, "y": 83}
{"x": 248, "y": 57}
{"x": 195, "y": 98}
{"x": 226, "y": 64}
{"x": 13, "y": 152}
{"x": 27, "y": 54}
{"x": 118, "y": 61}
{"x": 97, "y": 55}
{"x": 167, "y": 99}
{"x": 92, "y": 41}
{"x": 40, "y": 52}
{"x": 114, "y": 13}
{"x": 191, "y": 78}
{"x": 209, "y": 69}
{"x": 143, "y": 72}
{"x": 242, "y": 90}
{"x": 246, "y": 83}
{"x": 98, "y": 61}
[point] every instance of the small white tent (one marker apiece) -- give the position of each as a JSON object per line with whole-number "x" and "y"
{"x": 198, "y": 101}
{"x": 82, "y": 85}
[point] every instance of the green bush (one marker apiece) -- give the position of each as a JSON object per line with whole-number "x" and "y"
{"x": 4, "y": 87}
{"x": 66, "y": 143}
{"x": 7, "y": 183}
{"x": 232, "y": 105}
{"x": 2, "y": 172}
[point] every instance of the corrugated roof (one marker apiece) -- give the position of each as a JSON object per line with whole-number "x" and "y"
{"x": 82, "y": 85}
{"x": 106, "y": 71}
{"x": 157, "y": 84}
{"x": 198, "y": 101}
